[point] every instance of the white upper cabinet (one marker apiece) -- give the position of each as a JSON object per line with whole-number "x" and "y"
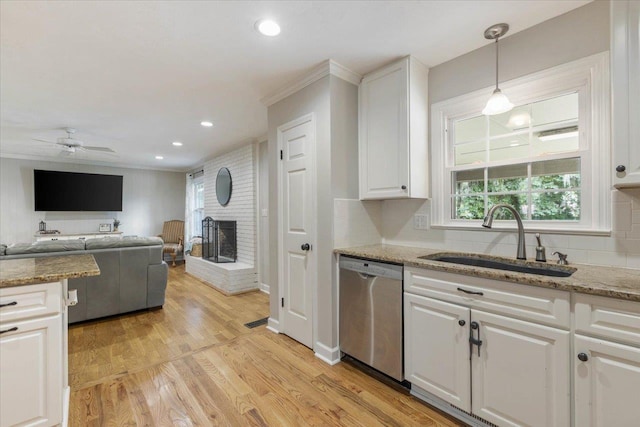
{"x": 625, "y": 73}
{"x": 393, "y": 132}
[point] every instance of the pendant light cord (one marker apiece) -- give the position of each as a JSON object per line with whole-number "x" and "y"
{"x": 497, "y": 62}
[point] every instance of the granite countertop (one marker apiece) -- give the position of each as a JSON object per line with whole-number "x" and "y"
{"x": 623, "y": 283}
{"x": 28, "y": 271}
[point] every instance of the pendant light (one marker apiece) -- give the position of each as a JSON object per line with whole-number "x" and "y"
{"x": 498, "y": 103}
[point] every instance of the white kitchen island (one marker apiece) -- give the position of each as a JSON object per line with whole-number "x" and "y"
{"x": 34, "y": 386}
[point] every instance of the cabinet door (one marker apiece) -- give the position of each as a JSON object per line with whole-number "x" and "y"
{"x": 521, "y": 377}
{"x": 437, "y": 348}
{"x": 625, "y": 66}
{"x": 606, "y": 384}
{"x": 384, "y": 139}
{"x": 30, "y": 390}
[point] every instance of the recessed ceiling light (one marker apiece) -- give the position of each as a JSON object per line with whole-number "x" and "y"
{"x": 159, "y": 157}
{"x": 206, "y": 124}
{"x": 177, "y": 143}
{"x": 268, "y": 27}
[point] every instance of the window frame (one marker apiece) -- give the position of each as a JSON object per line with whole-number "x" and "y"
{"x": 590, "y": 78}
{"x": 195, "y": 227}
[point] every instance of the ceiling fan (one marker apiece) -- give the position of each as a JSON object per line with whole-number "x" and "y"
{"x": 70, "y": 145}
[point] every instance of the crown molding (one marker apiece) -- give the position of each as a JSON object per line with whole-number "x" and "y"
{"x": 86, "y": 162}
{"x": 321, "y": 70}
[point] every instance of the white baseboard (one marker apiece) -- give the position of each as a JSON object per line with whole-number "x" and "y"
{"x": 327, "y": 354}
{"x": 273, "y": 325}
{"x": 65, "y": 406}
{"x": 264, "y": 288}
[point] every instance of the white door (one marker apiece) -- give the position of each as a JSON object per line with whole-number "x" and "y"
{"x": 606, "y": 382}
{"x": 437, "y": 348}
{"x": 298, "y": 207}
{"x": 521, "y": 377}
{"x": 31, "y": 358}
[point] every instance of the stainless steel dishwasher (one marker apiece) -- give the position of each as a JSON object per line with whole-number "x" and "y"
{"x": 371, "y": 314}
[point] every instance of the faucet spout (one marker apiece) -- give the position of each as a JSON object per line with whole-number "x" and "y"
{"x": 488, "y": 223}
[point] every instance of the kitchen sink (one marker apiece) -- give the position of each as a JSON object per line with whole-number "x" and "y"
{"x": 497, "y": 263}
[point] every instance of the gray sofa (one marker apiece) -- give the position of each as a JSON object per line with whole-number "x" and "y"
{"x": 132, "y": 277}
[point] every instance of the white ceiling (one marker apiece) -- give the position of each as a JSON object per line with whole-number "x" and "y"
{"x": 135, "y": 76}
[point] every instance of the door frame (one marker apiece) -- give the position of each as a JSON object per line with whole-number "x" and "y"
{"x": 281, "y": 231}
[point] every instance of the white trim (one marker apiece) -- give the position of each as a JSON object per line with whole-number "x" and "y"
{"x": 76, "y": 161}
{"x": 327, "y": 354}
{"x": 264, "y": 288}
{"x": 589, "y": 76}
{"x": 273, "y": 325}
{"x": 66, "y": 393}
{"x": 321, "y": 70}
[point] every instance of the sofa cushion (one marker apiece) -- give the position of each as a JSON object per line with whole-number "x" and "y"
{"x": 125, "y": 242}
{"x": 46, "y": 246}
{"x": 3, "y": 249}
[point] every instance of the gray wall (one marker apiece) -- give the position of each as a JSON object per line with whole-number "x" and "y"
{"x": 334, "y": 103}
{"x": 311, "y": 99}
{"x": 149, "y": 198}
{"x": 574, "y": 35}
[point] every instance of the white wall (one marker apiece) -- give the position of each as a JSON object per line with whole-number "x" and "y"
{"x": 149, "y": 198}
{"x": 242, "y": 205}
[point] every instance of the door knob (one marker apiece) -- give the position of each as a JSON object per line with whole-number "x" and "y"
{"x": 305, "y": 247}
{"x": 621, "y": 168}
{"x": 583, "y": 357}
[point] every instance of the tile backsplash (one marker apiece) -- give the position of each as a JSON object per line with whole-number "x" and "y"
{"x": 391, "y": 221}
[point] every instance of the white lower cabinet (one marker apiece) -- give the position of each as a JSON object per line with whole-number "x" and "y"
{"x": 606, "y": 383}
{"x": 436, "y": 339}
{"x": 496, "y": 351}
{"x": 31, "y": 357}
{"x": 516, "y": 373}
{"x": 520, "y": 373}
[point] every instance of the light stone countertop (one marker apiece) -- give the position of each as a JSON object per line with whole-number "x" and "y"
{"x": 29, "y": 271}
{"x": 623, "y": 283}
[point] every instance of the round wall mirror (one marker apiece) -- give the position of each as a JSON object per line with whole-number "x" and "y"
{"x": 223, "y": 186}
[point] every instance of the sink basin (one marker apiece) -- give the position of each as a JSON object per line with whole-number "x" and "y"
{"x": 497, "y": 263}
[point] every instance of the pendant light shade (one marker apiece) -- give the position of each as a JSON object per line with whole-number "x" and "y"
{"x": 498, "y": 103}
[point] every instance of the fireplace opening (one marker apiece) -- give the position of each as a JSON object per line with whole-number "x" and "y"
{"x": 219, "y": 242}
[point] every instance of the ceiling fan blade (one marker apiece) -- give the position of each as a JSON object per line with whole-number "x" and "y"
{"x": 94, "y": 152}
{"x": 42, "y": 140}
{"x": 103, "y": 149}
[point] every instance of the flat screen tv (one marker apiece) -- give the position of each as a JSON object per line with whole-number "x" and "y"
{"x": 70, "y": 191}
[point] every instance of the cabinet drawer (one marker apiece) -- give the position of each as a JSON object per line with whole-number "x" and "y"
{"x": 22, "y": 302}
{"x": 608, "y": 318}
{"x": 542, "y": 305}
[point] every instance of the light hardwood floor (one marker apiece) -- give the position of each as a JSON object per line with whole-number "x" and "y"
{"x": 195, "y": 363}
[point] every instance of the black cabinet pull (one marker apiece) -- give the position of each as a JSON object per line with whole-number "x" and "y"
{"x": 470, "y": 292}
{"x": 9, "y": 303}
{"x": 461, "y": 322}
{"x": 621, "y": 168}
{"x": 305, "y": 247}
{"x": 15, "y": 328}
{"x": 472, "y": 339}
{"x": 404, "y": 187}
{"x": 583, "y": 357}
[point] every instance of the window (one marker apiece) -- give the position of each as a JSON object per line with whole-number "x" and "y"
{"x": 194, "y": 205}
{"x": 548, "y": 157}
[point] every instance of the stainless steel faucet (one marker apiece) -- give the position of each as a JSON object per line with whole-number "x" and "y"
{"x": 488, "y": 221}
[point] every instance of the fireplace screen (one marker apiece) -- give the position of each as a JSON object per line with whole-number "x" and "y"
{"x": 219, "y": 240}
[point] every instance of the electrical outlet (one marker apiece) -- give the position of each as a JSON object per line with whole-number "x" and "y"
{"x": 421, "y": 221}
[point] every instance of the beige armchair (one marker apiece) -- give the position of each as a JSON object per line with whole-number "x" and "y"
{"x": 173, "y": 238}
